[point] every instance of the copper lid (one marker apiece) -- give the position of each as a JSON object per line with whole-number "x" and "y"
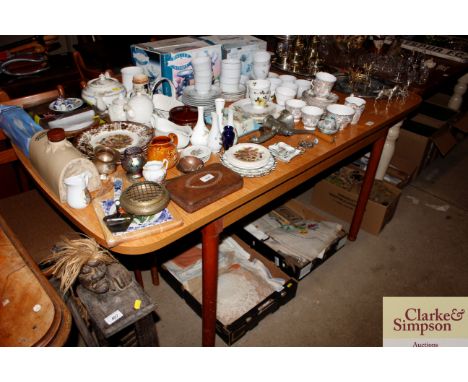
{"x": 140, "y": 79}
{"x": 56, "y": 135}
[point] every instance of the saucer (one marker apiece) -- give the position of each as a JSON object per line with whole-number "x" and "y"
{"x": 201, "y": 152}
{"x": 248, "y": 108}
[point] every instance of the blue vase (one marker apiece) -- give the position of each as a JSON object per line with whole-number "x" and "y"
{"x": 228, "y": 137}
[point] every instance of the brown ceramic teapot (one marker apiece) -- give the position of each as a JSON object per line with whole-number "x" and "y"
{"x": 164, "y": 147}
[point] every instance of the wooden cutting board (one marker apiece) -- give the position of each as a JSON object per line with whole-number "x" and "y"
{"x": 200, "y": 188}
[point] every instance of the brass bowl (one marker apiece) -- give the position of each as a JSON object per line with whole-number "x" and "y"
{"x": 189, "y": 163}
{"x": 144, "y": 198}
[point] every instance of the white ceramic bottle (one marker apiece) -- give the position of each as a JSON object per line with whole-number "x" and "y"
{"x": 200, "y": 131}
{"x": 214, "y": 138}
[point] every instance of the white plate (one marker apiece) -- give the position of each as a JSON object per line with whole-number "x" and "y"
{"x": 248, "y": 156}
{"x": 64, "y": 105}
{"x": 202, "y": 152}
{"x": 253, "y": 173}
{"x": 213, "y": 93}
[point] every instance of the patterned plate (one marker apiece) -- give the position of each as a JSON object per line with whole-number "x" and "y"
{"x": 64, "y": 105}
{"x": 265, "y": 170}
{"x": 247, "y": 156}
{"x": 117, "y": 135}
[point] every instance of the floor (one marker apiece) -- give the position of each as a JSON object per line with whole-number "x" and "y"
{"x": 421, "y": 252}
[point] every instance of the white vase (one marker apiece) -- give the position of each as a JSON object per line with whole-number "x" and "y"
{"x": 214, "y": 138}
{"x": 200, "y": 131}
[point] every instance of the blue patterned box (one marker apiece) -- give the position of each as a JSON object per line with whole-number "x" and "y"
{"x": 172, "y": 59}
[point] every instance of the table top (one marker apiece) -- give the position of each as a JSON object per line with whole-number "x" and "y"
{"x": 256, "y": 192}
{"x": 32, "y": 312}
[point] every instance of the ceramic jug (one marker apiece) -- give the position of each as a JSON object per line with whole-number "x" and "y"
{"x": 164, "y": 147}
{"x": 117, "y": 109}
{"x": 155, "y": 171}
{"x": 140, "y": 104}
{"x": 77, "y": 193}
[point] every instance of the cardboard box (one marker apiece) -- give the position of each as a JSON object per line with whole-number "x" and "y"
{"x": 420, "y": 141}
{"x": 172, "y": 59}
{"x": 238, "y": 328}
{"x": 289, "y": 264}
{"x": 341, "y": 202}
{"x": 239, "y": 47}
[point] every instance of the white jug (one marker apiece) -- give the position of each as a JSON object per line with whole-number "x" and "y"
{"x": 155, "y": 170}
{"x": 77, "y": 193}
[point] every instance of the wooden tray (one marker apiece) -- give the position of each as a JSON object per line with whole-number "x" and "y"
{"x": 114, "y": 239}
{"x": 200, "y": 188}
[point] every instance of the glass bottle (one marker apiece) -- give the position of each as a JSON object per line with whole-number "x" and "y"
{"x": 229, "y": 132}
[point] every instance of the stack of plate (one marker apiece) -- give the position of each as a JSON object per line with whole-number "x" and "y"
{"x": 249, "y": 160}
{"x": 234, "y": 96}
{"x": 193, "y": 98}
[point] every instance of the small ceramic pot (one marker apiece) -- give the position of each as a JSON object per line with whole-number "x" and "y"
{"x": 184, "y": 115}
{"x": 164, "y": 147}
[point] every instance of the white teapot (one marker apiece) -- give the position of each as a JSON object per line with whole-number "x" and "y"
{"x": 140, "y": 105}
{"x": 100, "y": 92}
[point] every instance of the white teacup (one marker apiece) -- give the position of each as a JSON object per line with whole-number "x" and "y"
{"x": 283, "y": 94}
{"x": 259, "y": 93}
{"x": 155, "y": 170}
{"x": 229, "y": 88}
{"x": 290, "y": 85}
{"x": 202, "y": 87}
{"x": 260, "y": 71}
{"x": 274, "y": 83}
{"x": 302, "y": 85}
{"x": 273, "y": 75}
{"x": 342, "y": 114}
{"x": 261, "y": 56}
{"x": 294, "y": 106}
{"x": 311, "y": 116}
{"x": 287, "y": 78}
{"x": 323, "y": 84}
{"x": 358, "y": 104}
{"x": 202, "y": 62}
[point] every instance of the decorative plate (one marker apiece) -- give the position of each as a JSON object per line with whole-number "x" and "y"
{"x": 247, "y": 156}
{"x": 201, "y": 152}
{"x": 116, "y": 135}
{"x": 250, "y": 173}
{"x": 64, "y": 105}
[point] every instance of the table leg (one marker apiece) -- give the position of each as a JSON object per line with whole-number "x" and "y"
{"x": 210, "y": 241}
{"x": 374, "y": 160}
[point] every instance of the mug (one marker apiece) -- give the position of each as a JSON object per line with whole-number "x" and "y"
{"x": 358, "y": 104}
{"x": 311, "y": 116}
{"x": 259, "y": 93}
{"x": 323, "y": 84}
{"x": 294, "y": 106}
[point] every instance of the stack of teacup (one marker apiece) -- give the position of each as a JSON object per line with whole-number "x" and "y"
{"x": 203, "y": 74}
{"x": 230, "y": 75}
{"x": 261, "y": 65}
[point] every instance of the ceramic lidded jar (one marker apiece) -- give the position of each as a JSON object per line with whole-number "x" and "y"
{"x": 164, "y": 147}
{"x": 101, "y": 91}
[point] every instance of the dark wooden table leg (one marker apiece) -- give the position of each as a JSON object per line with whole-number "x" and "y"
{"x": 210, "y": 241}
{"x": 154, "y": 274}
{"x": 366, "y": 188}
{"x": 139, "y": 277}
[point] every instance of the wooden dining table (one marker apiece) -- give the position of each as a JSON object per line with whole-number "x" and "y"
{"x": 370, "y": 132}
